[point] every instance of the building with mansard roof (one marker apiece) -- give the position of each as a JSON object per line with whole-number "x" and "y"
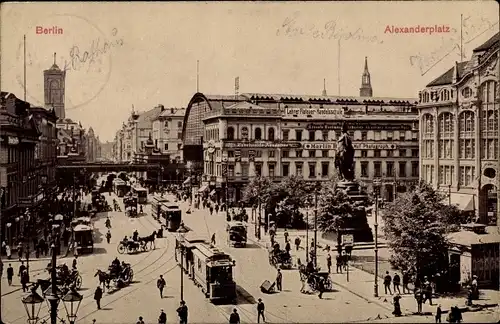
{"x": 459, "y": 145}
{"x": 230, "y": 139}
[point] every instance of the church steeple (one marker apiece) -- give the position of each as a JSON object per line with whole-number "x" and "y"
{"x": 324, "y": 88}
{"x": 366, "y": 85}
{"x": 54, "y": 88}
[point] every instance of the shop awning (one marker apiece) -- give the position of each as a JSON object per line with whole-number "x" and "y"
{"x": 203, "y": 188}
{"x": 463, "y": 201}
{"x": 213, "y": 192}
{"x": 187, "y": 181}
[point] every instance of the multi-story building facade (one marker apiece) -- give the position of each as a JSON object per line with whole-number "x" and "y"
{"x": 167, "y": 132}
{"x": 459, "y": 134}
{"x": 71, "y": 142}
{"x": 281, "y": 135}
{"x": 46, "y": 149}
{"x": 20, "y": 180}
{"x": 93, "y": 146}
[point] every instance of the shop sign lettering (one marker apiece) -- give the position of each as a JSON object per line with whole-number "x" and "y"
{"x": 261, "y": 145}
{"x": 12, "y": 140}
{"x": 365, "y": 146}
{"x": 356, "y": 125}
{"x": 313, "y": 112}
{"x": 320, "y": 146}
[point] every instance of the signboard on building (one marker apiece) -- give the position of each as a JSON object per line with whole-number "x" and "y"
{"x": 251, "y": 155}
{"x": 313, "y": 112}
{"x": 224, "y": 169}
{"x": 12, "y": 140}
{"x": 237, "y": 155}
{"x": 357, "y": 125}
{"x": 260, "y": 145}
{"x": 320, "y": 146}
{"x": 366, "y": 146}
{"x": 347, "y": 240}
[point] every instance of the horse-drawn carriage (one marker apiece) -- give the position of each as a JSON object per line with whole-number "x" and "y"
{"x": 65, "y": 279}
{"x": 130, "y": 203}
{"x": 121, "y": 274}
{"x": 131, "y": 246}
{"x": 312, "y": 278}
{"x": 279, "y": 258}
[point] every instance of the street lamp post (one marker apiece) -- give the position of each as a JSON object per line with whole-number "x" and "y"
{"x": 376, "y": 188}
{"x": 180, "y": 237}
{"x": 307, "y": 236}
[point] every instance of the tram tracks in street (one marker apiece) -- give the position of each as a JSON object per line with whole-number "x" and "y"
{"x": 140, "y": 271}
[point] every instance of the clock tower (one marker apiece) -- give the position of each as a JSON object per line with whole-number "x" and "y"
{"x": 54, "y": 83}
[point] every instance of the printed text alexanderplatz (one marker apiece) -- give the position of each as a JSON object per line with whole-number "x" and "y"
{"x": 436, "y": 29}
{"x": 54, "y": 30}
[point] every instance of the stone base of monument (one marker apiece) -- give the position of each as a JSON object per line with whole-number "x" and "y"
{"x": 359, "y": 225}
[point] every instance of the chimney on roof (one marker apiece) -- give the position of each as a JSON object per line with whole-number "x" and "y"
{"x": 161, "y": 107}
{"x": 172, "y": 111}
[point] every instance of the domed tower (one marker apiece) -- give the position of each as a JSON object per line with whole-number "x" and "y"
{"x": 54, "y": 85}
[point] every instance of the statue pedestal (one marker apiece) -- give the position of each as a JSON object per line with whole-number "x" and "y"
{"x": 358, "y": 226}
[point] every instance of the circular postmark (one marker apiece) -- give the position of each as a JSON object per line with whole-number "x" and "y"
{"x": 78, "y": 47}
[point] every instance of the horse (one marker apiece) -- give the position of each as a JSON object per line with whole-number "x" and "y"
{"x": 104, "y": 279}
{"x": 149, "y": 239}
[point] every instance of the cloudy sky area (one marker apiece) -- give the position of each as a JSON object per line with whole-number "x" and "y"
{"x": 143, "y": 54}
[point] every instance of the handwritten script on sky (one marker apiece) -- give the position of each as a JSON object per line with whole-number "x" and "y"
{"x": 330, "y": 30}
{"x": 450, "y": 44}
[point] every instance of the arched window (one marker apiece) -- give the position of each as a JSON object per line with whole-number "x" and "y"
{"x": 428, "y": 121}
{"x": 445, "y": 136}
{"x": 230, "y": 133}
{"x": 258, "y": 133}
{"x": 426, "y": 97}
{"x": 466, "y": 92}
{"x": 489, "y": 92}
{"x": 467, "y": 137}
{"x": 270, "y": 134}
{"x": 244, "y": 133}
{"x": 444, "y": 95}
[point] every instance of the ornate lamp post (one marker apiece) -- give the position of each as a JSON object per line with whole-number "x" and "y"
{"x": 32, "y": 303}
{"x": 376, "y": 188}
{"x": 180, "y": 237}
{"x": 71, "y": 303}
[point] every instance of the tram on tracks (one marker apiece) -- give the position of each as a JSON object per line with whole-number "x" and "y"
{"x": 210, "y": 268}
{"x": 156, "y": 206}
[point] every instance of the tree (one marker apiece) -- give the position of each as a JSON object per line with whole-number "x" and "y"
{"x": 291, "y": 195}
{"x": 258, "y": 188}
{"x": 416, "y": 224}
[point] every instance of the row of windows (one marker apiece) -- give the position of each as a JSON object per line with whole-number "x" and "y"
{"x": 312, "y": 135}
{"x": 488, "y": 93}
{"x": 446, "y": 174}
{"x": 467, "y": 149}
{"x": 466, "y": 124}
{"x": 325, "y": 153}
{"x": 166, "y": 125}
{"x": 389, "y": 169}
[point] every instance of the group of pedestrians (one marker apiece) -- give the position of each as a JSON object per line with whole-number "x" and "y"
{"x": 234, "y": 318}
{"x": 182, "y": 314}
{"x": 22, "y": 274}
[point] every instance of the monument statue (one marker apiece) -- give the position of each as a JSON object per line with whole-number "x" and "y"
{"x": 344, "y": 158}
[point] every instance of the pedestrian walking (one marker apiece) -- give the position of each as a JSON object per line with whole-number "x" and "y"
{"x": 161, "y": 283}
{"x": 329, "y": 262}
{"x": 321, "y": 288}
{"x": 419, "y": 299}
{"x": 182, "y": 312}
{"x": 396, "y": 281}
{"x": 397, "y": 306}
{"x": 212, "y": 241}
{"x": 427, "y": 291}
{"x": 162, "y": 319}
{"x": 338, "y": 260}
{"x": 140, "y": 320}
{"x": 439, "y": 312}
{"x": 234, "y": 318}
{"x": 108, "y": 236}
{"x": 297, "y": 243}
{"x": 216, "y": 208}
{"x": 287, "y": 247}
{"x": 406, "y": 281}
{"x": 279, "y": 279}
{"x": 22, "y": 267}
{"x": 8, "y": 251}
{"x": 20, "y": 250}
{"x": 285, "y": 234}
{"x": 211, "y": 210}
{"x": 260, "y": 311}
{"x": 10, "y": 274}
{"x": 74, "y": 262}
{"x": 25, "y": 280}
{"x": 98, "y": 296}
{"x": 387, "y": 282}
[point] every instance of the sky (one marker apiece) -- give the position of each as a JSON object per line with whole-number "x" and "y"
{"x": 144, "y": 54}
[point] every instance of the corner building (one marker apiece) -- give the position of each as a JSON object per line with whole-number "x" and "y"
{"x": 239, "y": 137}
{"x": 459, "y": 130}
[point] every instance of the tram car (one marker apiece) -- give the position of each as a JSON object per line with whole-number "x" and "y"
{"x": 83, "y": 236}
{"x": 172, "y": 215}
{"x": 211, "y": 268}
{"x": 156, "y": 206}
